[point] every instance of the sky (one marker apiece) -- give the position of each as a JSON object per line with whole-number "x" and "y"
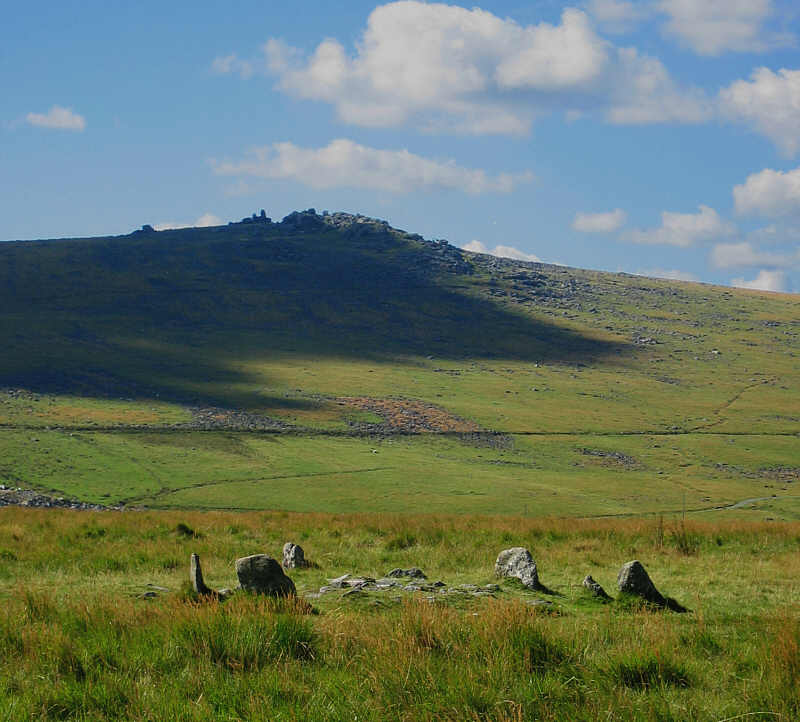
{"x": 657, "y": 137}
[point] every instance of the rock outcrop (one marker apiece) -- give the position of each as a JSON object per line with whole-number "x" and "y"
{"x": 262, "y": 574}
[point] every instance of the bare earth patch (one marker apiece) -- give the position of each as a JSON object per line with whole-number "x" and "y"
{"x": 411, "y": 416}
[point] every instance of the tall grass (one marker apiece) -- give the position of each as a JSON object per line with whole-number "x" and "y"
{"x": 77, "y": 643}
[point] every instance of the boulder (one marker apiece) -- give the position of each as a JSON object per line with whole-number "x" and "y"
{"x": 517, "y": 562}
{"x": 594, "y": 588}
{"x": 633, "y": 579}
{"x": 196, "y": 576}
{"x": 293, "y": 556}
{"x": 261, "y": 574}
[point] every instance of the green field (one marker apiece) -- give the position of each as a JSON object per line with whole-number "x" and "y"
{"x": 78, "y": 640}
{"x": 357, "y": 368}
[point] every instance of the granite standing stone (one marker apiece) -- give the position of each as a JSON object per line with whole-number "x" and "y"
{"x": 634, "y": 579}
{"x": 293, "y": 556}
{"x": 261, "y": 574}
{"x": 517, "y": 562}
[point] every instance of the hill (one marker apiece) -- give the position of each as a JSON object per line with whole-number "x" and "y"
{"x": 332, "y": 362}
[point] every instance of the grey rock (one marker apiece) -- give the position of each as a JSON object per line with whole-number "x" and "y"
{"x": 293, "y": 556}
{"x": 262, "y": 574}
{"x": 339, "y": 582}
{"x": 412, "y": 573}
{"x": 196, "y": 576}
{"x": 633, "y": 579}
{"x": 595, "y": 588}
{"x": 517, "y": 562}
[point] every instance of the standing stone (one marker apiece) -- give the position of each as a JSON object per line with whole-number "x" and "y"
{"x": 196, "y": 576}
{"x": 517, "y": 562}
{"x": 293, "y": 556}
{"x": 262, "y": 574}
{"x": 634, "y": 579}
{"x": 595, "y": 588}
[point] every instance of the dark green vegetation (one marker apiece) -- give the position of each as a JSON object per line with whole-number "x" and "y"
{"x": 78, "y": 642}
{"x": 338, "y": 364}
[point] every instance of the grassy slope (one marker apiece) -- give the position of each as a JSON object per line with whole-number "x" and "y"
{"x": 77, "y": 643}
{"x": 110, "y": 333}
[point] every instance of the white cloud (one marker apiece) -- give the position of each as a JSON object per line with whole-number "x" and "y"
{"x": 443, "y": 67}
{"x": 501, "y": 251}
{"x": 646, "y": 94}
{"x": 770, "y": 193}
{"x": 600, "y": 222}
{"x": 233, "y": 64}
{"x": 770, "y": 103}
{"x": 58, "y": 118}
{"x": 764, "y": 281}
{"x": 685, "y": 229}
{"x": 671, "y": 275}
{"x": 617, "y": 16}
{"x": 345, "y": 164}
{"x": 206, "y": 220}
{"x": 745, "y": 255}
{"x": 712, "y": 27}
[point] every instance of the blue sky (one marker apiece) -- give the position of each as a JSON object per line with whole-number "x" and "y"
{"x": 658, "y": 137}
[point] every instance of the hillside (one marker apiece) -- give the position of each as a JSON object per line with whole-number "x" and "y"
{"x": 335, "y": 363}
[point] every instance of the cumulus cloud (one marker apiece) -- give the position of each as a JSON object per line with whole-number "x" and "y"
{"x": 58, "y": 118}
{"x": 600, "y": 222}
{"x": 712, "y": 27}
{"x": 204, "y": 221}
{"x": 502, "y": 251}
{"x": 769, "y": 193}
{"x": 672, "y": 275}
{"x": 345, "y": 164}
{"x": 617, "y": 16}
{"x": 684, "y": 229}
{"x": 764, "y": 281}
{"x": 745, "y": 255}
{"x": 769, "y": 103}
{"x": 443, "y": 67}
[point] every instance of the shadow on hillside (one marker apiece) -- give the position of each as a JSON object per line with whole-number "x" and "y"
{"x": 170, "y": 314}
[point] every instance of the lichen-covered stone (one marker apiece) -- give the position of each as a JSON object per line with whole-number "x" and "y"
{"x": 517, "y": 562}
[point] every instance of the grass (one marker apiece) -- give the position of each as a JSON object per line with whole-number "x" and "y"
{"x": 77, "y": 642}
{"x": 331, "y": 333}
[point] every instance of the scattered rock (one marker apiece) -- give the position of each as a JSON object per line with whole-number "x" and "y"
{"x": 293, "y": 556}
{"x": 595, "y": 589}
{"x": 517, "y": 562}
{"x": 412, "y": 573}
{"x": 261, "y": 574}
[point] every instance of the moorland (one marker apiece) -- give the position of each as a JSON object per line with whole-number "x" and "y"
{"x": 386, "y": 401}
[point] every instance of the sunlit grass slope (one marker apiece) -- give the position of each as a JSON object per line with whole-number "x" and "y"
{"x": 312, "y": 365}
